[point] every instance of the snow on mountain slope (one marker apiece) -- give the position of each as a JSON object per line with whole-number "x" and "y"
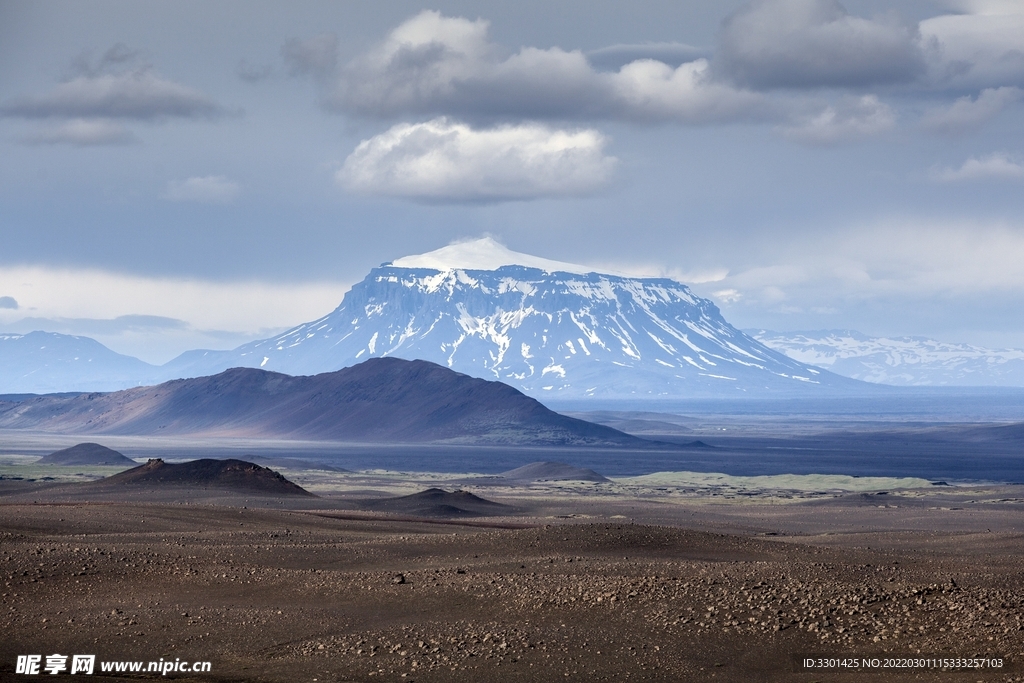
{"x": 902, "y": 361}
{"x": 546, "y": 328}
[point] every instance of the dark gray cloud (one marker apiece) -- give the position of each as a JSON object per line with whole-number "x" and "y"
{"x": 8, "y": 302}
{"x": 136, "y": 94}
{"x": 253, "y": 73}
{"x": 317, "y": 56}
{"x": 118, "y": 55}
{"x": 815, "y": 43}
{"x": 437, "y": 65}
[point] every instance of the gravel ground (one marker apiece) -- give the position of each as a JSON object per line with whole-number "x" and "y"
{"x": 291, "y": 595}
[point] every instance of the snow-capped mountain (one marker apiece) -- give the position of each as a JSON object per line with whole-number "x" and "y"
{"x": 41, "y": 362}
{"x": 902, "y": 361}
{"x": 545, "y": 327}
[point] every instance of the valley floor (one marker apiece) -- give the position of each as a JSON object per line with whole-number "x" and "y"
{"x": 570, "y": 586}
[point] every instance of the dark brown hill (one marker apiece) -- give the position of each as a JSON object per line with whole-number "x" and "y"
{"x": 236, "y": 475}
{"x": 380, "y": 400}
{"x": 552, "y": 471}
{"x": 437, "y": 502}
{"x": 86, "y": 454}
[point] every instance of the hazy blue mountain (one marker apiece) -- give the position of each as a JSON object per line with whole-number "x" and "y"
{"x": 901, "y": 361}
{"x": 382, "y": 400}
{"x": 45, "y": 362}
{"x": 547, "y": 328}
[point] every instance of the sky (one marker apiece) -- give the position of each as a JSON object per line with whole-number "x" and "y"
{"x": 184, "y": 174}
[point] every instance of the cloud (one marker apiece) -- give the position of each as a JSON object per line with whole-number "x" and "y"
{"x": 84, "y": 133}
{"x": 981, "y": 48}
{"x": 997, "y": 166}
{"x": 435, "y": 65}
{"x": 967, "y": 114}
{"x": 137, "y": 94}
{"x": 848, "y": 120}
{"x": 444, "y": 161}
{"x": 156, "y": 318}
{"x": 615, "y": 57}
{"x": 8, "y": 302}
{"x": 815, "y": 43}
{"x": 649, "y": 90}
{"x": 212, "y": 189}
{"x": 317, "y": 56}
{"x": 99, "y": 326}
{"x": 95, "y": 98}
{"x": 253, "y": 73}
{"x": 922, "y": 265}
{"x": 118, "y": 54}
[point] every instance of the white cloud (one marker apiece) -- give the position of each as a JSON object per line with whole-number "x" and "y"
{"x": 815, "y": 43}
{"x": 651, "y": 90}
{"x": 981, "y": 48}
{"x": 137, "y": 94}
{"x": 212, "y": 189}
{"x": 441, "y": 160}
{"x": 436, "y": 65}
{"x": 967, "y": 114}
{"x": 848, "y": 120}
{"x": 997, "y": 166}
{"x": 89, "y": 300}
{"x": 83, "y": 133}
{"x": 728, "y": 296}
{"x": 892, "y": 265}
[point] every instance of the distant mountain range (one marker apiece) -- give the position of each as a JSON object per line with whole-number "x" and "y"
{"x": 547, "y": 328}
{"x": 900, "y": 361}
{"x": 47, "y": 362}
{"x": 382, "y": 400}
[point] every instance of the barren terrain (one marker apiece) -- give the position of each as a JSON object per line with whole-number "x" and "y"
{"x": 571, "y": 584}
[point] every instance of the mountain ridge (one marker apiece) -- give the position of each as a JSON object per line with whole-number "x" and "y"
{"x": 899, "y": 361}
{"x": 382, "y": 400}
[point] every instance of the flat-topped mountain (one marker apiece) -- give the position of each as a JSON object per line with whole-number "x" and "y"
{"x": 382, "y": 400}
{"x": 229, "y": 474}
{"x": 550, "y": 329}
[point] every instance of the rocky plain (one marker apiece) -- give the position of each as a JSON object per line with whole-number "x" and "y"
{"x": 574, "y": 581}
